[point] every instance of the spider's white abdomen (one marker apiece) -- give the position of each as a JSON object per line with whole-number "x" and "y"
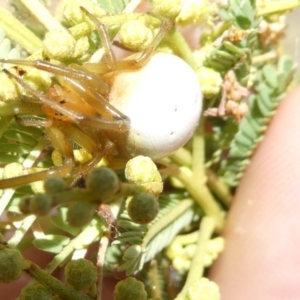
{"x": 163, "y": 101}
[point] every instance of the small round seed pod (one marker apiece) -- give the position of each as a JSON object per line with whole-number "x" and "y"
{"x": 103, "y": 183}
{"x": 36, "y": 292}
{"x": 129, "y": 289}
{"x": 54, "y": 185}
{"x": 81, "y": 274}
{"x": 80, "y": 214}
{"x": 143, "y": 208}
{"x": 10, "y": 265}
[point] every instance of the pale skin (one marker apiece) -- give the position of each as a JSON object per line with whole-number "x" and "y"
{"x": 261, "y": 259}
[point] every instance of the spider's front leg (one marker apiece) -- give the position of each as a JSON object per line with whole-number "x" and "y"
{"x": 87, "y": 86}
{"x": 138, "y": 61}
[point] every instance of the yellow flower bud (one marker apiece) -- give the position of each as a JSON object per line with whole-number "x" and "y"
{"x": 82, "y": 156}
{"x": 210, "y": 81}
{"x": 59, "y": 45}
{"x": 135, "y": 35}
{"x": 203, "y": 289}
{"x": 74, "y": 15}
{"x": 143, "y": 171}
{"x": 12, "y": 170}
{"x": 167, "y": 8}
{"x": 9, "y": 89}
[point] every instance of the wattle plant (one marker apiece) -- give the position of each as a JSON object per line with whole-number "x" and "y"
{"x": 140, "y": 155}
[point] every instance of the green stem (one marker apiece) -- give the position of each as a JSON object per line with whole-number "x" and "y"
{"x": 217, "y": 185}
{"x": 153, "y": 275}
{"x": 84, "y": 239}
{"x": 198, "y": 164}
{"x": 180, "y": 47}
{"x": 166, "y": 220}
{"x": 63, "y": 291}
{"x": 17, "y": 32}
{"x": 42, "y": 14}
{"x": 182, "y": 157}
{"x": 206, "y": 230}
{"x": 210, "y": 36}
{"x": 200, "y": 193}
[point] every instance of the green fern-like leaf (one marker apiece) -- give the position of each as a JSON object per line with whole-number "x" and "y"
{"x": 270, "y": 85}
{"x": 7, "y": 50}
{"x": 113, "y": 6}
{"x": 143, "y": 242}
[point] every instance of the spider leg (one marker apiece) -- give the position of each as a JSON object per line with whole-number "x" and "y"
{"x": 111, "y": 59}
{"x": 119, "y": 123}
{"x": 60, "y": 141}
{"x": 19, "y": 108}
{"x": 149, "y": 50}
{"x": 29, "y": 122}
{"x": 76, "y": 73}
{"x": 137, "y": 63}
{"x": 60, "y": 171}
{"x": 87, "y": 91}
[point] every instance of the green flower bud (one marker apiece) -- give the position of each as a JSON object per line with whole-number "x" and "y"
{"x": 81, "y": 274}
{"x": 129, "y": 289}
{"x": 38, "y": 204}
{"x": 11, "y": 265}
{"x": 143, "y": 208}
{"x": 36, "y": 292}
{"x": 80, "y": 214}
{"x": 54, "y": 185}
{"x": 103, "y": 183}
{"x": 24, "y": 205}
